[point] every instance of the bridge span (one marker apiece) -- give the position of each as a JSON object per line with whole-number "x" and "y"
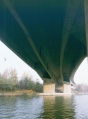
{"x": 49, "y": 35}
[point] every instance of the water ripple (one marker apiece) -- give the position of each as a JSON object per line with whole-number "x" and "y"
{"x": 47, "y": 107}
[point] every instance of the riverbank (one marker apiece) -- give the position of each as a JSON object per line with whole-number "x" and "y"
{"x": 53, "y": 94}
{"x": 29, "y": 93}
{"x": 17, "y": 93}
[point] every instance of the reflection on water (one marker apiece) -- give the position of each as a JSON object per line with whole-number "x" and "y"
{"x": 58, "y": 107}
{"x": 47, "y": 107}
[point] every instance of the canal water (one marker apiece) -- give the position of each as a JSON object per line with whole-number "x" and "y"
{"x": 47, "y": 107}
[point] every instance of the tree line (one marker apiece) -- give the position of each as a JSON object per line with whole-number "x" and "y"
{"x": 9, "y": 81}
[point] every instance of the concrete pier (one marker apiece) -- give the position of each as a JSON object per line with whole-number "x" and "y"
{"x": 49, "y": 88}
{"x": 66, "y": 88}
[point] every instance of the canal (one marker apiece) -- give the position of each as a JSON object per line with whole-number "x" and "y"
{"x": 44, "y": 107}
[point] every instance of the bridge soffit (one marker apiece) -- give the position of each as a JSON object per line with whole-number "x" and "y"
{"x": 26, "y": 32}
{"x": 86, "y": 22}
{"x": 71, "y": 11}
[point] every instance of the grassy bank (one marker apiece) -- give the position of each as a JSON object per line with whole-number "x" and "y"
{"x": 17, "y": 93}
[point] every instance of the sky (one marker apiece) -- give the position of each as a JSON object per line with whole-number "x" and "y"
{"x": 8, "y": 60}
{"x": 81, "y": 75}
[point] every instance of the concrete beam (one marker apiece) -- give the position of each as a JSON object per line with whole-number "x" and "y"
{"x": 26, "y": 32}
{"x": 86, "y": 22}
{"x": 70, "y": 15}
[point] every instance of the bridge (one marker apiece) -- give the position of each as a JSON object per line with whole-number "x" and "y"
{"x": 51, "y": 36}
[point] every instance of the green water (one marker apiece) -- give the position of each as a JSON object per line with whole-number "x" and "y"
{"x": 47, "y": 107}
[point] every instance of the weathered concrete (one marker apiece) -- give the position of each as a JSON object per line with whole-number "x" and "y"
{"x": 49, "y": 88}
{"x": 66, "y": 88}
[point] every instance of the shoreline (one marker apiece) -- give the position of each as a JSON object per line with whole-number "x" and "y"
{"x": 54, "y": 94}
{"x": 30, "y": 93}
{"x": 17, "y": 93}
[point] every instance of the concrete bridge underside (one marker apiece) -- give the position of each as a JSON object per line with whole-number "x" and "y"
{"x": 49, "y": 35}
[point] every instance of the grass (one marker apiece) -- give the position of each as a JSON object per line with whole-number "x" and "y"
{"x": 16, "y": 93}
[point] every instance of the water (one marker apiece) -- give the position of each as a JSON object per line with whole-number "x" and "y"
{"x": 47, "y": 107}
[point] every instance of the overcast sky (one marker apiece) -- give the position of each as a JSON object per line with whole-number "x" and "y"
{"x": 81, "y": 75}
{"x": 8, "y": 60}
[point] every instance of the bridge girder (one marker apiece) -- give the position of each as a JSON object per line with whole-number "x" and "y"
{"x": 50, "y": 36}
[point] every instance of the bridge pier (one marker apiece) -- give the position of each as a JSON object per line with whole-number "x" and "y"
{"x": 66, "y": 87}
{"x": 49, "y": 88}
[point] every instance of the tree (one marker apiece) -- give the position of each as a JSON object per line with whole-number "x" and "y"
{"x": 8, "y": 80}
{"x": 5, "y": 74}
{"x": 38, "y": 87}
{"x": 26, "y": 83}
{"x": 13, "y": 74}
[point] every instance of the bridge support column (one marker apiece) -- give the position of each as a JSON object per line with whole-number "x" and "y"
{"x": 66, "y": 88}
{"x": 49, "y": 88}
